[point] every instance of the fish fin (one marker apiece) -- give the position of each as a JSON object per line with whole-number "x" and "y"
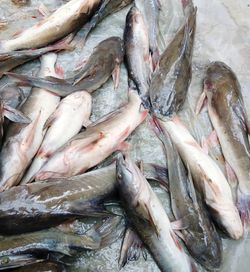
{"x": 56, "y": 80}
{"x": 110, "y": 230}
{"x": 80, "y": 65}
{"x": 15, "y": 115}
{"x": 180, "y": 235}
{"x": 155, "y": 58}
{"x": 50, "y": 120}
{"x": 86, "y": 74}
{"x": 191, "y": 189}
{"x": 116, "y": 76}
{"x": 152, "y": 220}
{"x": 131, "y": 248}
{"x": 202, "y": 102}
{"x": 243, "y": 205}
{"x": 43, "y": 10}
{"x": 123, "y": 147}
{"x": 178, "y": 225}
{"x": 231, "y": 176}
{"x": 17, "y": 33}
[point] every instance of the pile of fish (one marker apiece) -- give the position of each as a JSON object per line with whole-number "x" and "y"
{"x": 58, "y": 173}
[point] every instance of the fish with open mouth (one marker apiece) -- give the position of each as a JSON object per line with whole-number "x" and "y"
{"x": 104, "y": 61}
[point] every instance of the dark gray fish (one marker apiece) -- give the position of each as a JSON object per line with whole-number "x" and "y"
{"x": 138, "y": 59}
{"x": 107, "y": 7}
{"x": 149, "y": 219}
{"x": 104, "y": 61}
{"x": 170, "y": 81}
{"x": 200, "y": 235}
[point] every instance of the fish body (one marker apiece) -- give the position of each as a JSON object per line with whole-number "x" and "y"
{"x": 136, "y": 43}
{"x": 22, "y": 143}
{"x": 229, "y": 118}
{"x": 170, "y": 81}
{"x": 106, "y": 8}
{"x": 104, "y": 61}
{"x": 148, "y": 217}
{"x": 59, "y": 24}
{"x": 209, "y": 180}
{"x": 200, "y": 235}
{"x": 96, "y": 143}
{"x": 72, "y": 113}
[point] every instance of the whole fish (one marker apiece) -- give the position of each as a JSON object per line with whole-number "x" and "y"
{"x": 136, "y": 45}
{"x": 106, "y": 8}
{"x": 96, "y": 143}
{"x": 66, "y": 19}
{"x": 104, "y": 61}
{"x": 200, "y": 235}
{"x": 36, "y": 206}
{"x": 151, "y": 10}
{"x": 148, "y": 217}
{"x": 170, "y": 81}
{"x": 229, "y": 118}
{"x": 22, "y": 143}
{"x": 12, "y": 59}
{"x": 61, "y": 128}
{"x": 208, "y": 178}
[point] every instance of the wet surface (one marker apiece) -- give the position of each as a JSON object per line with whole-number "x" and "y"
{"x": 222, "y": 34}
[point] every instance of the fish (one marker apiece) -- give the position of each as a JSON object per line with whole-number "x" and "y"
{"x": 200, "y": 235}
{"x": 45, "y": 266}
{"x": 228, "y": 115}
{"x": 96, "y": 143}
{"x": 104, "y": 61}
{"x": 148, "y": 218}
{"x": 106, "y": 8}
{"x": 150, "y": 10}
{"x": 60, "y": 129}
{"x": 65, "y": 20}
{"x": 209, "y": 180}
{"x": 12, "y": 95}
{"x": 10, "y": 60}
{"x": 170, "y": 81}
{"x": 56, "y": 241}
{"x": 21, "y": 142}
{"x": 138, "y": 59}
{"x": 39, "y": 205}
{"x": 14, "y": 261}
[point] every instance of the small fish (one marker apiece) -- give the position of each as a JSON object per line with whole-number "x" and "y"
{"x": 149, "y": 219}
{"x": 170, "y": 81}
{"x": 200, "y": 235}
{"x": 104, "y": 61}
{"x": 96, "y": 143}
{"x": 228, "y": 115}
{"x": 21, "y": 142}
{"x": 106, "y": 8}
{"x": 66, "y": 19}
{"x": 138, "y": 59}
{"x": 209, "y": 180}
{"x": 151, "y": 10}
{"x": 72, "y": 113}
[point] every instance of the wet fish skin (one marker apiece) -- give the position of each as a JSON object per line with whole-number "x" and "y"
{"x": 106, "y": 8}
{"x": 96, "y": 143}
{"x": 170, "y": 81}
{"x": 138, "y": 60}
{"x": 229, "y": 118}
{"x": 209, "y": 181}
{"x": 200, "y": 236}
{"x": 21, "y": 142}
{"x": 104, "y": 61}
{"x": 147, "y": 216}
{"x": 63, "y": 21}
{"x": 61, "y": 128}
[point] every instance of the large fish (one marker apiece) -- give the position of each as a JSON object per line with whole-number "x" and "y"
{"x": 36, "y": 206}
{"x": 22, "y": 143}
{"x": 199, "y": 233}
{"x": 148, "y": 217}
{"x": 208, "y": 178}
{"x": 106, "y": 8}
{"x": 151, "y": 10}
{"x": 104, "y": 61}
{"x": 138, "y": 59}
{"x": 96, "y": 143}
{"x": 61, "y": 128}
{"x": 66, "y": 19}
{"x": 229, "y": 118}
{"x": 170, "y": 81}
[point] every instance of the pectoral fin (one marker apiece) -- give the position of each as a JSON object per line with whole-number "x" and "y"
{"x": 15, "y": 115}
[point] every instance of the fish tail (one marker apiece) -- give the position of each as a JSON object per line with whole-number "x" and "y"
{"x": 243, "y": 205}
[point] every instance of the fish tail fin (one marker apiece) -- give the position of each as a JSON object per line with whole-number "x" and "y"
{"x": 243, "y": 205}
